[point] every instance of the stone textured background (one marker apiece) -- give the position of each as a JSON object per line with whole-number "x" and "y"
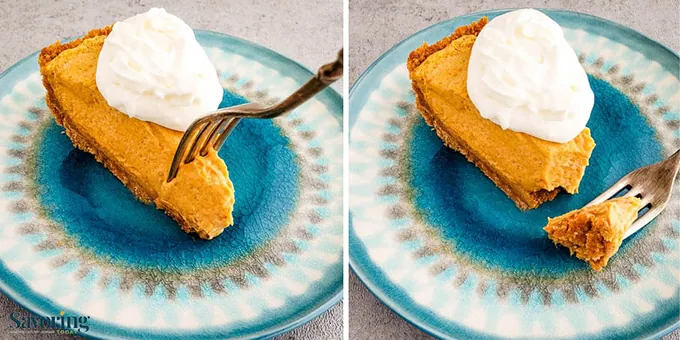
{"x": 377, "y": 25}
{"x": 307, "y": 31}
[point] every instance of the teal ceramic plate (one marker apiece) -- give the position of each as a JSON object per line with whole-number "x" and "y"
{"x": 78, "y": 247}
{"x": 437, "y": 242}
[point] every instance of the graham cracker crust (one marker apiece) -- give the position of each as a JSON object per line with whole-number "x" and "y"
{"x": 50, "y": 52}
{"x": 82, "y": 142}
{"x": 523, "y": 199}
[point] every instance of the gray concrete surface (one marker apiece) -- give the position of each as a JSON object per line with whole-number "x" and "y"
{"x": 377, "y": 25}
{"x": 308, "y": 31}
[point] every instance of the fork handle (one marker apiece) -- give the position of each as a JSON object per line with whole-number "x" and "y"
{"x": 326, "y": 75}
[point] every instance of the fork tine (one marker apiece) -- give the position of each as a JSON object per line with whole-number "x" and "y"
{"x": 210, "y": 125}
{"x": 214, "y": 133}
{"x": 187, "y": 139}
{"x": 219, "y": 141}
{"x": 648, "y": 199}
{"x": 609, "y": 193}
{"x": 634, "y": 191}
{"x": 645, "y": 197}
{"x": 643, "y": 220}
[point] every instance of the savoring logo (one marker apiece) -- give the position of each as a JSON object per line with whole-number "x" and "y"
{"x": 62, "y": 324}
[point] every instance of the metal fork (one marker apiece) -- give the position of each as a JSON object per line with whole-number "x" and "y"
{"x": 653, "y": 184}
{"x": 212, "y": 131}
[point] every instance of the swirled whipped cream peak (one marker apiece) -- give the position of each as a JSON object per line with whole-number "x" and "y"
{"x": 524, "y": 76}
{"x": 152, "y": 68}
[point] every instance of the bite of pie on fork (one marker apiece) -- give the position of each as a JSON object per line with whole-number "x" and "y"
{"x": 595, "y": 232}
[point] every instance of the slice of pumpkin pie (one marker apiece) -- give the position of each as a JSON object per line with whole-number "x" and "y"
{"x": 135, "y": 140}
{"x": 530, "y": 147}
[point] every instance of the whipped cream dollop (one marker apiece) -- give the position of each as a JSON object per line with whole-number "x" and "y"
{"x": 152, "y": 68}
{"x": 524, "y": 76}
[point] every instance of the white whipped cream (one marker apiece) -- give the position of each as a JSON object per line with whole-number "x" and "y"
{"x": 524, "y": 76}
{"x": 152, "y": 68}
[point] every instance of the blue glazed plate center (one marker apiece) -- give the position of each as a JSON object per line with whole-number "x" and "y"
{"x": 105, "y": 218}
{"x": 471, "y": 213}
